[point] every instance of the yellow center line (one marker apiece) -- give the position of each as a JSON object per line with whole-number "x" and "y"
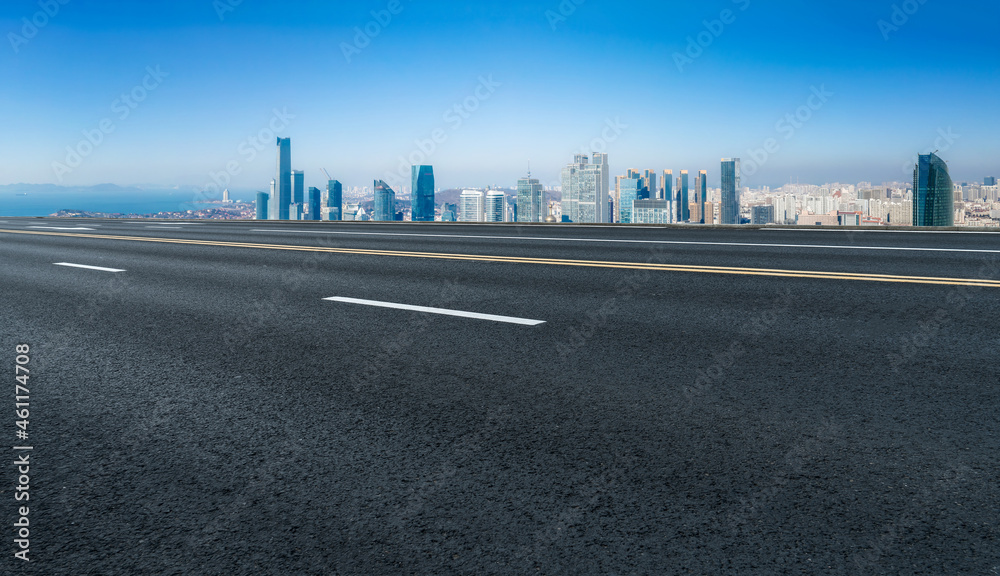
{"x": 547, "y": 261}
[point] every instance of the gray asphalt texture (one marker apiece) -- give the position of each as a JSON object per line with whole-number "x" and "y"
{"x": 207, "y": 412}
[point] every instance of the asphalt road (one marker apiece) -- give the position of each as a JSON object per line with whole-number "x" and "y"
{"x": 695, "y": 401}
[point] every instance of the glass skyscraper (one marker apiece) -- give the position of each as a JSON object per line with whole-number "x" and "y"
{"x": 668, "y": 189}
{"x": 496, "y": 206}
{"x": 472, "y": 206}
{"x": 933, "y": 193}
{"x": 702, "y": 195}
{"x": 729, "y": 207}
{"x": 585, "y": 188}
{"x": 422, "y": 193}
{"x": 683, "y": 203}
{"x": 628, "y": 193}
{"x": 335, "y": 200}
{"x": 530, "y": 200}
{"x": 262, "y": 200}
{"x": 282, "y": 197}
{"x": 385, "y": 203}
{"x": 298, "y": 187}
{"x": 315, "y": 201}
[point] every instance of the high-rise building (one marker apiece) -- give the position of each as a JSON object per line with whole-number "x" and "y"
{"x": 422, "y": 193}
{"x": 709, "y": 213}
{"x": 315, "y": 202}
{"x": 272, "y": 201}
{"x": 298, "y": 187}
{"x": 262, "y": 200}
{"x": 702, "y": 190}
{"x": 683, "y": 202}
{"x": 585, "y": 189}
{"x": 282, "y": 198}
{"x": 933, "y": 193}
{"x": 385, "y": 203}
{"x": 530, "y": 200}
{"x": 225, "y": 196}
{"x": 761, "y": 215}
{"x": 496, "y": 205}
{"x": 335, "y": 200}
{"x": 729, "y": 206}
{"x": 295, "y": 212}
{"x": 649, "y": 183}
{"x": 990, "y": 181}
{"x": 626, "y": 193}
{"x": 667, "y": 191}
{"x": 472, "y": 206}
{"x": 651, "y": 212}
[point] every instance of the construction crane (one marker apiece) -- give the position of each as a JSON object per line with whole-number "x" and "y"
{"x": 328, "y": 177}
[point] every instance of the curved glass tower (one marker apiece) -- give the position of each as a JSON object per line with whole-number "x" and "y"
{"x": 385, "y": 203}
{"x": 422, "y": 194}
{"x": 933, "y": 193}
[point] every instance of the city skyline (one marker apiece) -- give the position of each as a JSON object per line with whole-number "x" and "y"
{"x": 805, "y": 109}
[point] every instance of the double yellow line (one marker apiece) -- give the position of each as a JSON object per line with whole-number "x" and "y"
{"x": 549, "y": 261}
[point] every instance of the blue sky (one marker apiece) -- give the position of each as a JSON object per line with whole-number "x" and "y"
{"x": 560, "y": 73}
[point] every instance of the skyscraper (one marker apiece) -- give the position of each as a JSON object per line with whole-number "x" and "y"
{"x": 385, "y": 203}
{"x": 585, "y": 188}
{"x": 422, "y": 193}
{"x": 683, "y": 202}
{"x": 530, "y": 200}
{"x": 626, "y": 193}
{"x": 667, "y": 192}
{"x": 272, "y": 201}
{"x": 933, "y": 193}
{"x": 472, "y": 206}
{"x": 282, "y": 198}
{"x": 990, "y": 181}
{"x": 298, "y": 187}
{"x": 702, "y": 191}
{"x": 649, "y": 182}
{"x": 496, "y": 206}
{"x": 315, "y": 201}
{"x": 729, "y": 206}
{"x": 335, "y": 200}
{"x": 262, "y": 200}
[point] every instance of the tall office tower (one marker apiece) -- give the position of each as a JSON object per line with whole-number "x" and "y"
{"x": 335, "y": 200}
{"x": 385, "y": 203}
{"x": 225, "y": 196}
{"x": 585, "y": 189}
{"x": 422, "y": 193}
{"x": 272, "y": 201}
{"x": 683, "y": 202}
{"x": 315, "y": 202}
{"x": 262, "y": 199}
{"x": 649, "y": 182}
{"x": 933, "y": 193}
{"x": 667, "y": 192}
{"x": 990, "y": 181}
{"x": 729, "y": 206}
{"x": 496, "y": 206}
{"x": 702, "y": 191}
{"x": 472, "y": 206}
{"x": 626, "y": 193}
{"x": 298, "y": 187}
{"x": 709, "y": 213}
{"x": 530, "y": 200}
{"x": 282, "y": 199}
